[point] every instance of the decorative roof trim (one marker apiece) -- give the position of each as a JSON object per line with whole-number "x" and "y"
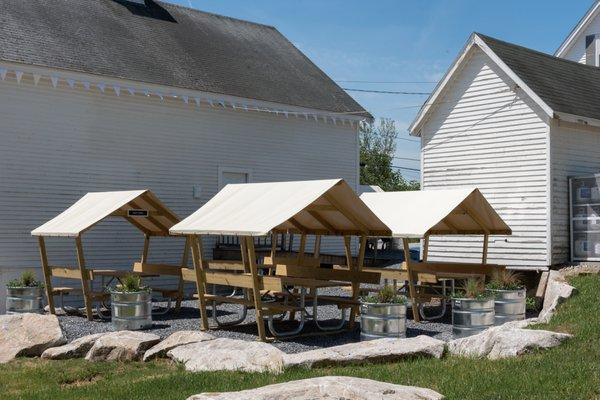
{"x": 580, "y": 27}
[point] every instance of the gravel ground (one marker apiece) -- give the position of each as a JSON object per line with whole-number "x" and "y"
{"x": 188, "y": 319}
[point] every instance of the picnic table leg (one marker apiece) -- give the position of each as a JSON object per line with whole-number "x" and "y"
{"x": 197, "y": 258}
{"x": 260, "y": 323}
{"x": 85, "y": 277}
{"x": 184, "y": 264}
{"x": 411, "y": 283}
{"x": 47, "y": 275}
{"x": 357, "y": 268}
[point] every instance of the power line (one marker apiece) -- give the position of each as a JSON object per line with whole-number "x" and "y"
{"x": 408, "y": 159}
{"x": 406, "y": 168}
{"x": 386, "y": 92}
{"x": 387, "y": 82}
{"x": 409, "y": 140}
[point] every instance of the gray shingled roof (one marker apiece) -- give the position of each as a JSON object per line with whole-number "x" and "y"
{"x": 168, "y": 45}
{"x": 565, "y": 86}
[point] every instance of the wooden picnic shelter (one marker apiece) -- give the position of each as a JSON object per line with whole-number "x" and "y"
{"x": 141, "y": 208}
{"x": 318, "y": 208}
{"x": 426, "y": 213}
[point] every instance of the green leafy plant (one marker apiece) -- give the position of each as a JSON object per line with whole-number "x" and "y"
{"x": 473, "y": 289}
{"x": 129, "y": 284}
{"x": 27, "y": 279}
{"x": 532, "y": 304}
{"x": 387, "y": 295}
{"x": 505, "y": 280}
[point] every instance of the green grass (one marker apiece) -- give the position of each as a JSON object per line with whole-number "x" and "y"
{"x": 570, "y": 371}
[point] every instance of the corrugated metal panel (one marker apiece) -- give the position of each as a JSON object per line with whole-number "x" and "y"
{"x": 574, "y": 152}
{"x": 483, "y": 134}
{"x": 58, "y": 144}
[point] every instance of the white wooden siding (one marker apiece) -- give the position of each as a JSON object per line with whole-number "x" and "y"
{"x": 484, "y": 134}
{"x": 574, "y": 152}
{"x": 58, "y": 144}
{"x": 577, "y": 50}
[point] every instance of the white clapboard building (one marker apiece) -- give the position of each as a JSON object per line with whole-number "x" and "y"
{"x": 120, "y": 95}
{"x": 516, "y": 123}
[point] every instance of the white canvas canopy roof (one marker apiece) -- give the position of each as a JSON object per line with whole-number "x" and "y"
{"x": 327, "y": 207}
{"x": 436, "y": 212}
{"x": 154, "y": 218}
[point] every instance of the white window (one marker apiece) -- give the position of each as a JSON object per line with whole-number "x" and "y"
{"x": 229, "y": 175}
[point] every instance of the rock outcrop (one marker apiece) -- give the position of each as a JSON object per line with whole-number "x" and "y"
{"x": 121, "y": 346}
{"x": 380, "y": 350}
{"x": 28, "y": 335}
{"x": 328, "y": 387}
{"x": 78, "y": 348}
{"x": 174, "y": 340}
{"x": 229, "y": 355}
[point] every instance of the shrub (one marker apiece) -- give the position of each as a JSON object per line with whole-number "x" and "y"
{"x": 129, "y": 284}
{"x": 473, "y": 289}
{"x": 27, "y": 279}
{"x": 386, "y": 295}
{"x": 505, "y": 280}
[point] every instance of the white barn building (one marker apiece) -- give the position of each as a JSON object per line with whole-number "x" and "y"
{"x": 119, "y": 95}
{"x": 516, "y": 123}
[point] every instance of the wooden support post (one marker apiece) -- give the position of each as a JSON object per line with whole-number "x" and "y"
{"x": 317, "y": 250}
{"x": 273, "y": 251}
{"x": 302, "y": 249}
{"x": 411, "y": 281}
{"x": 357, "y": 267}
{"x": 484, "y": 257}
{"x": 85, "y": 279}
{"x": 198, "y": 260}
{"x": 260, "y": 323}
{"x": 47, "y": 274}
{"x": 184, "y": 264}
{"x": 145, "y": 250}
{"x": 425, "y": 247}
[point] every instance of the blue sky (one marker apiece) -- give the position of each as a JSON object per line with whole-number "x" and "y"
{"x": 401, "y": 41}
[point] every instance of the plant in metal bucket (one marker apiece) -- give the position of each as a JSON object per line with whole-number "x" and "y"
{"x": 131, "y": 304}
{"x": 473, "y": 289}
{"x": 27, "y": 280}
{"x": 383, "y": 314}
{"x": 130, "y": 284}
{"x": 472, "y": 309}
{"x": 506, "y": 280}
{"x": 387, "y": 295}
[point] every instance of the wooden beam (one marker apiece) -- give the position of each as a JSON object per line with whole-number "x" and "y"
{"x": 150, "y": 217}
{"x": 260, "y": 323}
{"x": 47, "y": 274}
{"x": 452, "y": 227}
{"x": 170, "y": 216}
{"x": 197, "y": 259}
{"x": 141, "y": 227}
{"x": 475, "y": 217}
{"x": 317, "y": 249}
{"x": 484, "y": 255}
{"x": 347, "y": 213}
{"x": 298, "y": 225}
{"x": 87, "y": 290}
{"x": 411, "y": 283}
{"x": 425, "y": 247}
{"x": 144, "y": 258}
{"x": 320, "y": 219}
{"x": 321, "y": 207}
{"x": 355, "y": 283}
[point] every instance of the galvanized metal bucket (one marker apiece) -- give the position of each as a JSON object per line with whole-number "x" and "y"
{"x": 131, "y": 310}
{"x": 509, "y": 305}
{"x": 382, "y": 320}
{"x": 24, "y": 300}
{"x": 471, "y": 316}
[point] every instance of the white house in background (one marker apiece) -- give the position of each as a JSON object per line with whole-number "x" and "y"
{"x": 516, "y": 123}
{"x": 120, "y": 95}
{"x": 583, "y": 43}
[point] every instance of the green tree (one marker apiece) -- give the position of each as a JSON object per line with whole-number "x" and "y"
{"x": 377, "y": 149}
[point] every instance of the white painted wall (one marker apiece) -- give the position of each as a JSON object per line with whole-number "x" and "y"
{"x": 58, "y": 144}
{"x": 577, "y": 50}
{"x": 484, "y": 134}
{"x": 575, "y": 152}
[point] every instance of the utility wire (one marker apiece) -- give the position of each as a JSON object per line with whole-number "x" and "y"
{"x": 405, "y": 158}
{"x": 386, "y": 92}
{"x": 387, "y": 82}
{"x": 406, "y": 168}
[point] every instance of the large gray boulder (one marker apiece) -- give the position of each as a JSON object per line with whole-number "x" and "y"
{"x": 78, "y": 348}
{"x": 557, "y": 291}
{"x": 176, "y": 339}
{"x": 330, "y": 388}
{"x": 28, "y": 335}
{"x": 379, "y": 350}
{"x": 503, "y": 342}
{"x": 229, "y": 355}
{"x": 121, "y": 346}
